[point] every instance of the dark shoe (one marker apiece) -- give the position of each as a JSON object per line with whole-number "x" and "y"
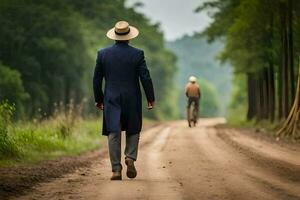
{"x": 131, "y": 171}
{"x": 116, "y": 176}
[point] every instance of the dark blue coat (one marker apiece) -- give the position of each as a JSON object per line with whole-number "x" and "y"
{"x": 122, "y": 66}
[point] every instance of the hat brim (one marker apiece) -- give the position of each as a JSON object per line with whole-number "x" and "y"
{"x": 134, "y": 32}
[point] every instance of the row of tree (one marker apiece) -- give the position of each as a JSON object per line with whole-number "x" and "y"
{"x": 262, "y": 43}
{"x": 214, "y": 79}
{"x": 48, "y": 50}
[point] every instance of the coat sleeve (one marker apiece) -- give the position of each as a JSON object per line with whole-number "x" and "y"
{"x": 145, "y": 78}
{"x": 97, "y": 80}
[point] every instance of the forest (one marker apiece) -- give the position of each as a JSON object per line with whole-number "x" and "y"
{"x": 47, "y": 58}
{"x": 262, "y": 44}
{"x": 243, "y": 145}
{"x": 214, "y": 78}
{"x": 48, "y": 50}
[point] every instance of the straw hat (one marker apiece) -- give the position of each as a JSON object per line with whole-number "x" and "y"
{"x": 122, "y": 31}
{"x": 192, "y": 79}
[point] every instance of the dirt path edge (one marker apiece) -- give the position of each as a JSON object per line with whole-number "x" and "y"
{"x": 15, "y": 181}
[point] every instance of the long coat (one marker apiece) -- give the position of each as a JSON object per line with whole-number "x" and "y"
{"x": 122, "y": 66}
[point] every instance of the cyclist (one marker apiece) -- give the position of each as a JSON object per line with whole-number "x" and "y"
{"x": 192, "y": 91}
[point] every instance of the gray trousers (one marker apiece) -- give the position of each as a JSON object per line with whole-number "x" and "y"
{"x": 114, "y": 146}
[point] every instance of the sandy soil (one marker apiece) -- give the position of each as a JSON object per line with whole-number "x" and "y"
{"x": 177, "y": 162}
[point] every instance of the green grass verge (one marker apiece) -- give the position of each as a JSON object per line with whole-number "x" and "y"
{"x": 33, "y": 142}
{"x": 265, "y": 126}
{"x": 237, "y": 118}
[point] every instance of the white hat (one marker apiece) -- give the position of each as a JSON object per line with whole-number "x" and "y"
{"x": 192, "y": 79}
{"x": 122, "y": 31}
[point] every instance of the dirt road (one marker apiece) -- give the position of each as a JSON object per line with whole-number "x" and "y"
{"x": 177, "y": 162}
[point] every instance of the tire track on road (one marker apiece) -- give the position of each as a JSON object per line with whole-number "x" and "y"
{"x": 263, "y": 169}
{"x": 282, "y": 168}
{"x": 153, "y": 180}
{"x": 176, "y": 162}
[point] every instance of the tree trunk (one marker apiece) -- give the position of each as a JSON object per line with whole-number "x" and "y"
{"x": 284, "y": 61}
{"x": 291, "y": 125}
{"x": 265, "y": 79}
{"x": 280, "y": 93}
{"x": 291, "y": 51}
{"x": 251, "y": 96}
{"x": 270, "y": 72}
{"x": 271, "y": 91}
{"x": 260, "y": 97}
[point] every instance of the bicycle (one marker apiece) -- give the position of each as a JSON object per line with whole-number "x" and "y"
{"x": 192, "y": 115}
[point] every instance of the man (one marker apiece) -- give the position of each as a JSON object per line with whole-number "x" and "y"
{"x": 192, "y": 91}
{"x": 122, "y": 66}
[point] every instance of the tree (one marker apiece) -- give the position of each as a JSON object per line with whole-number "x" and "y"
{"x": 11, "y": 87}
{"x": 53, "y": 44}
{"x": 259, "y": 42}
{"x": 291, "y": 125}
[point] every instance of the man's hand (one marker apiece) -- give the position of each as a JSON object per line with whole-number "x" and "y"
{"x": 99, "y": 106}
{"x": 150, "y": 105}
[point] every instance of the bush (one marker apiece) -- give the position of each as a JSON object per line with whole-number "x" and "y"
{"x": 67, "y": 116}
{"x": 237, "y": 109}
{"x": 7, "y": 146}
{"x": 12, "y": 89}
{"x": 62, "y": 134}
{"x": 210, "y": 101}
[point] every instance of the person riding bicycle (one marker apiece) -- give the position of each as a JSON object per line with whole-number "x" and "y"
{"x": 193, "y": 93}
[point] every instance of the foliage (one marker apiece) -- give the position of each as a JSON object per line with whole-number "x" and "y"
{"x": 67, "y": 116}
{"x": 53, "y": 44}
{"x": 11, "y": 86}
{"x": 261, "y": 44}
{"x": 197, "y": 57}
{"x": 210, "y": 101}
{"x": 46, "y": 139}
{"x": 8, "y": 147}
{"x": 238, "y": 106}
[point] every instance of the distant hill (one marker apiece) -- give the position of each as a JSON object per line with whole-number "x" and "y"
{"x": 198, "y": 57}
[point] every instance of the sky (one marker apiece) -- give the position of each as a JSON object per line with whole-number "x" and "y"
{"x": 176, "y": 17}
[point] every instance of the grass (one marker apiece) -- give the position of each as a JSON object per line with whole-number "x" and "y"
{"x": 264, "y": 124}
{"x": 63, "y": 134}
{"x": 32, "y": 142}
{"x": 238, "y": 120}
